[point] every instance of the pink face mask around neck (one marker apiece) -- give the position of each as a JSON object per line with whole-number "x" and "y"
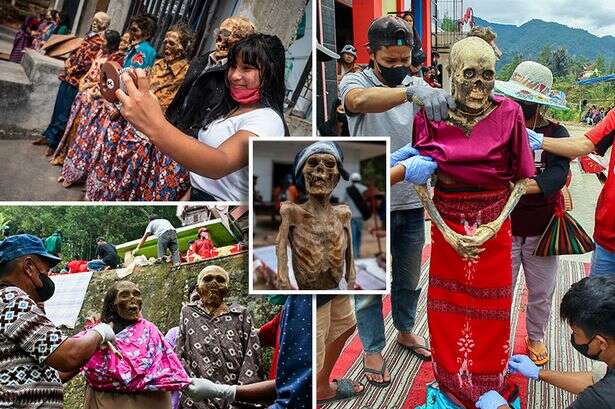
{"x": 245, "y": 96}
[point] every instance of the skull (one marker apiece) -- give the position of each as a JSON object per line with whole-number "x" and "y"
{"x": 100, "y": 22}
{"x": 212, "y": 286}
{"x": 472, "y": 70}
{"x": 231, "y": 31}
{"x": 321, "y": 174}
{"x": 173, "y": 48}
{"x": 125, "y": 42}
{"x": 128, "y": 301}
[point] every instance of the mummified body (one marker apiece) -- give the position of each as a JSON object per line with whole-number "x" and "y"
{"x": 484, "y": 161}
{"x": 318, "y": 233}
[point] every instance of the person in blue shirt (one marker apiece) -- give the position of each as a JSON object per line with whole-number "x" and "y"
{"x": 141, "y": 53}
{"x": 292, "y": 387}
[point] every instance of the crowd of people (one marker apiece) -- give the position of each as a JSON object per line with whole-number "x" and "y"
{"x": 498, "y": 190}
{"x": 36, "y": 30}
{"x": 212, "y": 359}
{"x": 145, "y": 143}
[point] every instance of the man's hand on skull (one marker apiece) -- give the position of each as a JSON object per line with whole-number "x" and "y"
{"x": 436, "y": 101}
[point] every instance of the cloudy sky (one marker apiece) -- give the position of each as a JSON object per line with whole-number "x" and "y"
{"x": 595, "y": 16}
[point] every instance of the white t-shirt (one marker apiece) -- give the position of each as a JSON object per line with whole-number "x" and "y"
{"x": 234, "y": 187}
{"x": 158, "y": 226}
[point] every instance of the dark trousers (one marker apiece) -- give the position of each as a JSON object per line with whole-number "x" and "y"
{"x": 61, "y": 113}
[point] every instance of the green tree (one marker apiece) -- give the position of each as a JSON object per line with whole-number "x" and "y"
{"x": 560, "y": 62}
{"x": 600, "y": 64}
{"x": 506, "y": 71}
{"x": 545, "y": 55}
{"x": 448, "y": 25}
{"x": 81, "y": 225}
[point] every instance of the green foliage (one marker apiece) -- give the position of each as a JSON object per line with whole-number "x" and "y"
{"x": 448, "y": 25}
{"x": 81, "y": 225}
{"x": 560, "y": 62}
{"x": 506, "y": 71}
{"x": 374, "y": 172}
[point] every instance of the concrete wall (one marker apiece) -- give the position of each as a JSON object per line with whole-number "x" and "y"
{"x": 118, "y": 11}
{"x": 29, "y": 91}
{"x": 279, "y": 17}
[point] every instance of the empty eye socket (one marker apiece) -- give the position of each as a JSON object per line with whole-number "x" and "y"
{"x": 312, "y": 161}
{"x": 488, "y": 75}
{"x": 207, "y": 279}
{"x": 220, "y": 279}
{"x": 330, "y": 163}
{"x": 469, "y": 73}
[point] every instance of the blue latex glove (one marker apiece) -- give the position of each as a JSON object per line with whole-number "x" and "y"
{"x": 491, "y": 400}
{"x": 419, "y": 169}
{"x": 402, "y": 153}
{"x": 536, "y": 139}
{"x": 523, "y": 365}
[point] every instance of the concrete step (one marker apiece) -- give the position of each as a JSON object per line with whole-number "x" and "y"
{"x": 7, "y": 33}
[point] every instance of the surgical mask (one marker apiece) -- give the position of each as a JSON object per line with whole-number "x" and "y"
{"x": 393, "y": 76}
{"x": 529, "y": 110}
{"x": 584, "y": 348}
{"x": 46, "y": 291}
{"x": 245, "y": 95}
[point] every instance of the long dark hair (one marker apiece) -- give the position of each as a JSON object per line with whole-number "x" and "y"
{"x": 265, "y": 52}
{"x": 109, "y": 312}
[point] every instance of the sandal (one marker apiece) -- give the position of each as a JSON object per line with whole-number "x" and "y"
{"x": 345, "y": 390}
{"x": 414, "y": 350}
{"x": 380, "y": 372}
{"x": 535, "y": 353}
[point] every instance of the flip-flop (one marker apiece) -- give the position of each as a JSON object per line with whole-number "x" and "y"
{"x": 380, "y": 372}
{"x": 414, "y": 350}
{"x": 536, "y": 352}
{"x": 345, "y": 390}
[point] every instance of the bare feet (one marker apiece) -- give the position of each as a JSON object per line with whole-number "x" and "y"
{"x": 412, "y": 341}
{"x": 40, "y": 141}
{"x": 49, "y": 151}
{"x": 375, "y": 361}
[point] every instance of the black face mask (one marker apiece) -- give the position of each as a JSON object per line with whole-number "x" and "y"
{"x": 529, "y": 110}
{"x": 393, "y": 76}
{"x": 583, "y": 348}
{"x": 46, "y": 291}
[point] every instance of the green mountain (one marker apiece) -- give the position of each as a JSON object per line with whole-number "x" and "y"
{"x": 530, "y": 38}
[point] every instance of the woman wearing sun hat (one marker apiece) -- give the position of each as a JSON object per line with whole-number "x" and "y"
{"x": 530, "y": 86}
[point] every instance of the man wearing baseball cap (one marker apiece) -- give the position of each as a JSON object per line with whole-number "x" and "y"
{"x": 348, "y": 62}
{"x": 382, "y": 100}
{"x": 33, "y": 349}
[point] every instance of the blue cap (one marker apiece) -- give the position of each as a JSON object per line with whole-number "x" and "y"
{"x": 24, "y": 245}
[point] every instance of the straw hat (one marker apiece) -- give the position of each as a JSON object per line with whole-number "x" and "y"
{"x": 532, "y": 82}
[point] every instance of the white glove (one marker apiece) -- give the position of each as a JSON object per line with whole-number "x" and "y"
{"x": 201, "y": 389}
{"x": 105, "y": 331}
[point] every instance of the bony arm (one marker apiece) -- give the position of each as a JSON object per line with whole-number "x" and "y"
{"x": 281, "y": 247}
{"x": 351, "y": 274}
{"x": 453, "y": 238}
{"x": 488, "y": 230}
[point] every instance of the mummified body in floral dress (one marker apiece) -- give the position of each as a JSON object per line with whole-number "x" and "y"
{"x": 131, "y": 167}
{"x": 86, "y": 103}
{"x": 484, "y": 159}
{"x": 217, "y": 341}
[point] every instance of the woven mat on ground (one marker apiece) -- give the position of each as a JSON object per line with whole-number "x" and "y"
{"x": 410, "y": 375}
